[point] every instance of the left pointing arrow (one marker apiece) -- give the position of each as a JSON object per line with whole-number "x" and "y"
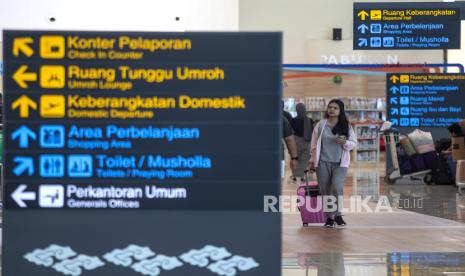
{"x": 24, "y": 164}
{"x": 20, "y": 195}
{"x": 21, "y": 44}
{"x": 21, "y": 77}
{"x": 24, "y": 103}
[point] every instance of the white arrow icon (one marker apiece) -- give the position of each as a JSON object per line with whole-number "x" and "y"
{"x": 19, "y": 195}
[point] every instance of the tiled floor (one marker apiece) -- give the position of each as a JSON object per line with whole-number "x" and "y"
{"x": 374, "y": 264}
{"x": 427, "y": 220}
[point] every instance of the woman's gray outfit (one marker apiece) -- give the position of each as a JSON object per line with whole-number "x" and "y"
{"x": 330, "y": 174}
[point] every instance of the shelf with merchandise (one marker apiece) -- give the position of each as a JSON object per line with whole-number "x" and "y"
{"x": 365, "y": 114}
{"x": 367, "y": 149}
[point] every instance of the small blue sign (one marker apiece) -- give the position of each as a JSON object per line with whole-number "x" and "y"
{"x": 404, "y": 122}
{"x": 404, "y": 100}
{"x": 52, "y": 136}
{"x": 362, "y": 42}
{"x": 23, "y": 134}
{"x": 375, "y": 28}
{"x": 24, "y": 164}
{"x": 404, "y": 90}
{"x": 415, "y": 122}
{"x": 394, "y": 111}
{"x": 388, "y": 42}
{"x": 375, "y": 42}
{"x": 52, "y": 165}
{"x": 395, "y": 122}
{"x": 80, "y": 165}
{"x": 363, "y": 28}
{"x": 394, "y": 89}
{"x": 405, "y": 111}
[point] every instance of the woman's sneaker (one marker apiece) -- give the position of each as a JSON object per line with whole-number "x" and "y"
{"x": 329, "y": 223}
{"x": 293, "y": 179}
{"x": 340, "y": 221}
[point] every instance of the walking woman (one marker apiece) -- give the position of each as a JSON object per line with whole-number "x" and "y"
{"x": 303, "y": 128}
{"x": 332, "y": 140}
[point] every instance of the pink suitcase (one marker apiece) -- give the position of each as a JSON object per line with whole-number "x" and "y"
{"x": 310, "y": 191}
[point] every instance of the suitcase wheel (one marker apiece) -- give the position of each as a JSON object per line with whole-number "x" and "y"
{"x": 428, "y": 179}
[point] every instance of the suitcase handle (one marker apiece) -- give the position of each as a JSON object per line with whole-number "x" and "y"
{"x": 306, "y": 173}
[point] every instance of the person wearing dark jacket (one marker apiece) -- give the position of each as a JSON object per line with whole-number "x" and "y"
{"x": 303, "y": 128}
{"x": 286, "y": 114}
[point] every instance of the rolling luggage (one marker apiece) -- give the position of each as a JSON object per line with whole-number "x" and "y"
{"x": 311, "y": 212}
{"x": 404, "y": 165}
{"x": 440, "y": 173}
{"x": 418, "y": 164}
{"x": 430, "y": 159}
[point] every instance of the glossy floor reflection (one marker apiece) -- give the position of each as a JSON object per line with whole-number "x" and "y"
{"x": 407, "y": 194}
{"x": 427, "y": 219}
{"x": 438, "y": 201}
{"x": 374, "y": 264}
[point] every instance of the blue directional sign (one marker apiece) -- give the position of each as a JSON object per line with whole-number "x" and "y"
{"x": 405, "y": 25}
{"x": 395, "y": 122}
{"x": 394, "y": 89}
{"x": 415, "y": 122}
{"x": 363, "y": 28}
{"x": 23, "y": 134}
{"x": 24, "y": 164}
{"x": 375, "y": 28}
{"x": 404, "y": 101}
{"x": 362, "y": 42}
{"x": 404, "y": 111}
{"x": 388, "y": 42}
{"x": 404, "y": 90}
{"x": 80, "y": 165}
{"x": 52, "y": 136}
{"x": 404, "y": 122}
{"x": 52, "y": 165}
{"x": 375, "y": 42}
{"x": 425, "y": 100}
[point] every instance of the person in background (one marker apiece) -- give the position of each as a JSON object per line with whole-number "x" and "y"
{"x": 332, "y": 140}
{"x": 286, "y": 114}
{"x": 455, "y": 131}
{"x": 288, "y": 137}
{"x": 303, "y": 128}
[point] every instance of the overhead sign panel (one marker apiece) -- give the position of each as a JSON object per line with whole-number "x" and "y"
{"x": 403, "y": 26}
{"x": 164, "y": 131}
{"x": 425, "y": 100}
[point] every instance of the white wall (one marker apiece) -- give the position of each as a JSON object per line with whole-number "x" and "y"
{"x": 458, "y": 56}
{"x": 120, "y": 15}
{"x": 301, "y": 21}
